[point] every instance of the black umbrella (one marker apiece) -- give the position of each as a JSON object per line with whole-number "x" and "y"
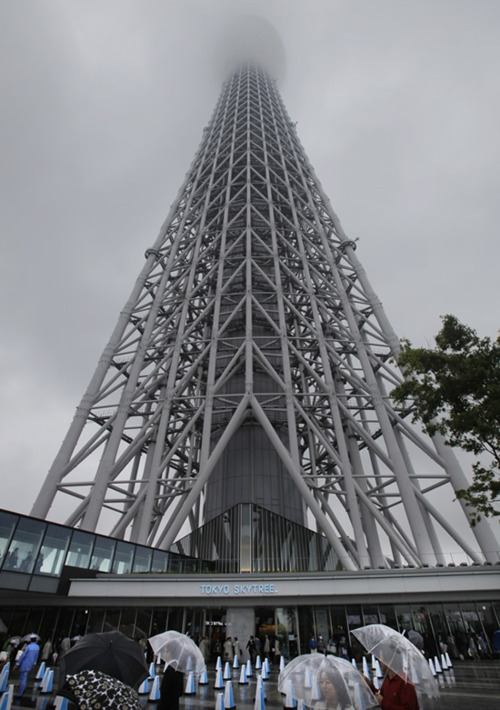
{"x": 93, "y": 689}
{"x": 111, "y": 653}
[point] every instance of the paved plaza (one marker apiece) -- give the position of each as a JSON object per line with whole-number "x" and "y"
{"x": 468, "y": 686}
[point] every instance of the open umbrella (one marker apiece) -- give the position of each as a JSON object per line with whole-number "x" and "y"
{"x": 400, "y": 655}
{"x": 111, "y": 653}
{"x": 93, "y": 689}
{"x": 324, "y": 682}
{"x": 178, "y": 651}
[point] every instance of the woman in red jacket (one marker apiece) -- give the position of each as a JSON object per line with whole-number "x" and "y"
{"x": 396, "y": 693}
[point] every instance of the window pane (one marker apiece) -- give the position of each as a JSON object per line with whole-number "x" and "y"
{"x": 51, "y": 557}
{"x": 24, "y": 545}
{"x": 7, "y": 523}
{"x": 142, "y": 561}
{"x": 79, "y": 550}
{"x": 123, "y": 558}
{"x": 103, "y": 554}
{"x": 160, "y": 561}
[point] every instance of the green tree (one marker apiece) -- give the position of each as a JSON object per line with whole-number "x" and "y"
{"x": 455, "y": 390}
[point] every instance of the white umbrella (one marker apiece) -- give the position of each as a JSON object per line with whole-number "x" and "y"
{"x": 324, "y": 682}
{"x": 400, "y": 655}
{"x": 178, "y": 651}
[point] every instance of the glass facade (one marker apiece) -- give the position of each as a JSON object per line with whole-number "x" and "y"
{"x": 33, "y": 554}
{"x": 466, "y": 629}
{"x": 249, "y": 538}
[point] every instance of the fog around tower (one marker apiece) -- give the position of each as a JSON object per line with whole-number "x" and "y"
{"x": 103, "y": 107}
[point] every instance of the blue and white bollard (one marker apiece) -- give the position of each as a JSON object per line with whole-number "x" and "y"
{"x": 448, "y": 660}
{"x": 258, "y": 663}
{"x": 315, "y": 689}
{"x": 236, "y": 662}
{"x": 152, "y": 670}
{"x": 154, "y": 695}
{"x": 436, "y": 665}
{"x": 264, "y": 674}
{"x": 189, "y": 664}
{"x": 282, "y": 663}
{"x": 229, "y": 695}
{"x": 378, "y": 669}
{"x": 249, "y": 669}
{"x": 144, "y": 687}
{"x": 61, "y": 703}
{"x": 243, "y": 676}
{"x": 219, "y": 680}
{"x": 260, "y": 702}
{"x": 431, "y": 666}
{"x": 228, "y": 674}
{"x": 289, "y": 702}
{"x": 366, "y": 672}
{"x": 6, "y": 698}
{"x": 190, "y": 688}
{"x": 218, "y": 664}
{"x": 219, "y": 701}
{"x": 203, "y": 678}
{"x": 41, "y": 671}
{"x": 444, "y": 665}
{"x": 4, "y": 678}
{"x": 307, "y": 678}
{"x": 374, "y": 663}
{"x": 376, "y": 682}
{"x": 47, "y": 682}
{"x": 353, "y": 663}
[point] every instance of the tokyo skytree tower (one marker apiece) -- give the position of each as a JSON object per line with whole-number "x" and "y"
{"x": 252, "y": 363}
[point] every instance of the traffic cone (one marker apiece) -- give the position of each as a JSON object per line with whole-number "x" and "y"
{"x": 282, "y": 663}
{"x": 243, "y": 675}
{"x": 448, "y": 660}
{"x": 444, "y": 665}
{"x": 260, "y": 698}
{"x": 378, "y": 669}
{"x": 374, "y": 662}
{"x": 219, "y": 680}
{"x": 228, "y": 674}
{"x": 431, "y": 666}
{"x": 290, "y": 702}
{"x": 4, "y": 678}
{"x": 144, "y": 687}
{"x": 218, "y": 664}
{"x": 229, "y": 695}
{"x": 61, "y": 703}
{"x": 315, "y": 689}
{"x": 219, "y": 701}
{"x": 376, "y": 682}
{"x": 203, "y": 678}
{"x": 307, "y": 678}
{"x": 236, "y": 662}
{"x": 190, "y": 688}
{"x": 436, "y": 665}
{"x": 264, "y": 674}
{"x": 366, "y": 672}
{"x": 189, "y": 664}
{"x": 249, "y": 669}
{"x": 48, "y": 681}
{"x": 154, "y": 695}
{"x": 152, "y": 670}
{"x": 6, "y": 698}
{"x": 354, "y": 664}
{"x": 258, "y": 663}
{"x": 41, "y": 671}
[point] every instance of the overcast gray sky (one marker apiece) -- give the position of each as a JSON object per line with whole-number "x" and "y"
{"x": 103, "y": 104}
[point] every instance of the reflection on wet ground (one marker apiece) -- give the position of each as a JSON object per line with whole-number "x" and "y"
{"x": 468, "y": 685}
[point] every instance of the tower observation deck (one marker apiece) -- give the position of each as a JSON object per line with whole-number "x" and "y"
{"x": 253, "y": 363}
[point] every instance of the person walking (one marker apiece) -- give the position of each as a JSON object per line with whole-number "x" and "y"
{"x": 46, "y": 650}
{"x": 204, "y": 647}
{"x": 26, "y": 662}
{"x": 228, "y": 650}
{"x": 251, "y": 649}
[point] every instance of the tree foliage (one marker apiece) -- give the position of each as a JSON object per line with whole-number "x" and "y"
{"x": 455, "y": 389}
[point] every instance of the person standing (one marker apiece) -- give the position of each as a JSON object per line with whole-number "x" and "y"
{"x": 236, "y": 648}
{"x": 46, "y": 650}
{"x": 26, "y": 662}
{"x": 171, "y": 689}
{"x": 204, "y": 647}
{"x": 267, "y": 646}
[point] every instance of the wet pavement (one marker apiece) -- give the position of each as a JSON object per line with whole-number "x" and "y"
{"x": 469, "y": 685}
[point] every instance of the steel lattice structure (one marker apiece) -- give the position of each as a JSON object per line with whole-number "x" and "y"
{"x": 253, "y": 354}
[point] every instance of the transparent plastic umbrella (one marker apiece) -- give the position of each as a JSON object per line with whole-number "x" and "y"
{"x": 400, "y": 655}
{"x": 178, "y": 651}
{"x": 325, "y": 682}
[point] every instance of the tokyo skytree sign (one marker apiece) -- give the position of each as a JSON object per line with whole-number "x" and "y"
{"x": 252, "y": 363}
